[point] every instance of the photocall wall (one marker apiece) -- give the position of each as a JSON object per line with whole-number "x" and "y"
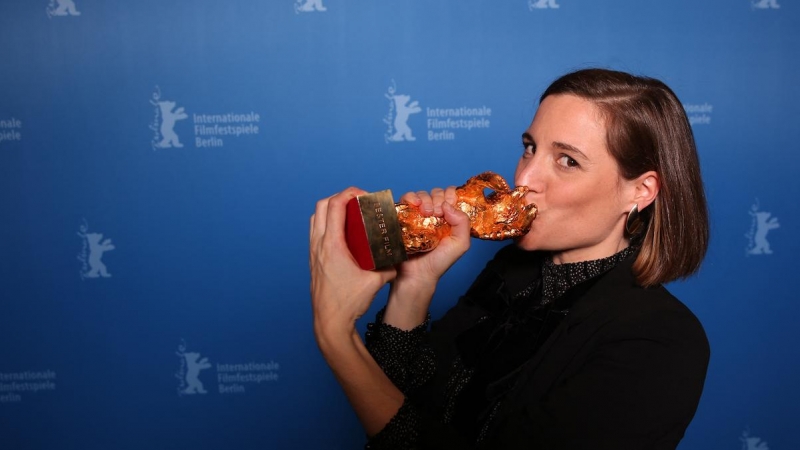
{"x": 160, "y": 160}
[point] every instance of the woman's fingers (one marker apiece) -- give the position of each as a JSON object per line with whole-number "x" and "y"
{"x": 327, "y": 225}
{"x": 411, "y": 198}
{"x": 318, "y": 220}
{"x": 330, "y": 212}
{"x": 437, "y": 197}
{"x": 425, "y": 202}
{"x": 430, "y": 203}
{"x": 450, "y": 195}
{"x": 337, "y": 210}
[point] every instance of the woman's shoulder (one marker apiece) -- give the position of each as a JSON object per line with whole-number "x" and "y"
{"x": 655, "y": 300}
{"x": 654, "y": 313}
{"x": 623, "y": 309}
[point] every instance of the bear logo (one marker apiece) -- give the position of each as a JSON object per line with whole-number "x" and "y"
{"x": 762, "y": 223}
{"x": 193, "y": 367}
{"x": 167, "y": 129}
{"x": 308, "y": 6}
{"x": 752, "y": 442}
{"x": 94, "y": 247}
{"x": 403, "y": 109}
{"x": 62, "y": 8}
{"x": 765, "y": 4}
{"x": 542, "y": 4}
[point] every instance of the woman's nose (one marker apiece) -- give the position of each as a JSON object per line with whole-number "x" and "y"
{"x": 529, "y": 173}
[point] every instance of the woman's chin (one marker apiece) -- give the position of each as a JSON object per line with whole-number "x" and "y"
{"x": 526, "y": 242}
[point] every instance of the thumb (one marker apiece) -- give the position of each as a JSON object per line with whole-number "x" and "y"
{"x": 458, "y": 220}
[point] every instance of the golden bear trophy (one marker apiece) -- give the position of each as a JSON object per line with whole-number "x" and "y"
{"x": 381, "y": 233}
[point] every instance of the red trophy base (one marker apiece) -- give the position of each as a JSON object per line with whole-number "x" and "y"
{"x": 372, "y": 231}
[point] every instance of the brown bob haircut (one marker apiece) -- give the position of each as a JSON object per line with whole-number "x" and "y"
{"x": 648, "y": 130}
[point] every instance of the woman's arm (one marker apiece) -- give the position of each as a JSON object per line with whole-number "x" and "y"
{"x": 341, "y": 292}
{"x": 374, "y": 398}
{"x": 411, "y": 292}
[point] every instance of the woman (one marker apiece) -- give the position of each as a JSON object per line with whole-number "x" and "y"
{"x": 568, "y": 338}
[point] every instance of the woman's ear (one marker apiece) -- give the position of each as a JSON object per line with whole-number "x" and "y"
{"x": 647, "y": 186}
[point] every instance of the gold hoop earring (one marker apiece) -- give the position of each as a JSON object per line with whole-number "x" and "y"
{"x": 633, "y": 216}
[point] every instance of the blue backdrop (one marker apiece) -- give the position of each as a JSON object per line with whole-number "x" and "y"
{"x": 159, "y": 161}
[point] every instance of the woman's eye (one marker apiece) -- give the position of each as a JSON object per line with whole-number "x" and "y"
{"x": 528, "y": 149}
{"x": 566, "y": 161}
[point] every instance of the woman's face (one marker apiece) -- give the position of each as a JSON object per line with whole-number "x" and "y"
{"x": 574, "y": 181}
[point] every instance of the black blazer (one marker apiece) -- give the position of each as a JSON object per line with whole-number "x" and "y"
{"x": 623, "y": 370}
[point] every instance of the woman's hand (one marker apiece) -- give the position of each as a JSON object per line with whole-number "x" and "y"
{"x": 416, "y": 280}
{"x": 430, "y": 266}
{"x": 341, "y": 291}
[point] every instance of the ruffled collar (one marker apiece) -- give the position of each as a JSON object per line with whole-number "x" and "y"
{"x": 558, "y": 278}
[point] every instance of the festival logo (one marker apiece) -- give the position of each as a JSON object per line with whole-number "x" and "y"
{"x": 62, "y": 8}
{"x": 13, "y": 385}
{"x": 396, "y": 119}
{"x": 210, "y": 130}
{"x": 698, "y": 113}
{"x": 188, "y": 374}
{"x": 764, "y": 4}
{"x": 443, "y": 123}
{"x": 163, "y": 125}
{"x": 761, "y": 224}
{"x": 10, "y": 130}
{"x": 542, "y": 4}
{"x": 752, "y": 442}
{"x": 308, "y": 6}
{"x": 91, "y": 253}
{"x": 231, "y": 378}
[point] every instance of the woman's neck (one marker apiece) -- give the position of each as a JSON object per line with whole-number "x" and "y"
{"x": 589, "y": 254}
